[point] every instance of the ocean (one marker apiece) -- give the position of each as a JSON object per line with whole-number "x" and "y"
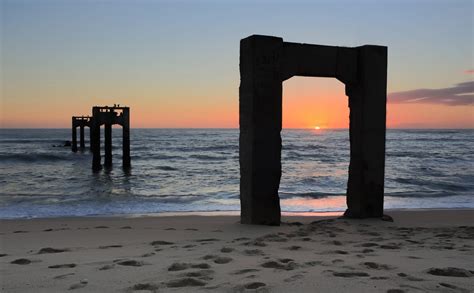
{"x": 181, "y": 170}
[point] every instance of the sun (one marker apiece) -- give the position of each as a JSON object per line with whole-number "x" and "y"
{"x": 317, "y": 127}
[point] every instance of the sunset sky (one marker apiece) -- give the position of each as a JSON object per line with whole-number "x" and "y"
{"x": 176, "y": 63}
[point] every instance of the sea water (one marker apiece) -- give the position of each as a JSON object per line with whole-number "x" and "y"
{"x": 178, "y": 170}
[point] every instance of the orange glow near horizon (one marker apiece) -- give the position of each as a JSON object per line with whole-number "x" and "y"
{"x": 307, "y": 103}
{"x": 315, "y": 103}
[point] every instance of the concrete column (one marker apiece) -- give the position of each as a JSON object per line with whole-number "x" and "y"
{"x": 90, "y": 136}
{"x": 108, "y": 145}
{"x": 95, "y": 141}
{"x": 74, "y": 137}
{"x": 126, "y": 139}
{"x": 260, "y": 125}
{"x": 367, "y": 102}
{"x": 81, "y": 142}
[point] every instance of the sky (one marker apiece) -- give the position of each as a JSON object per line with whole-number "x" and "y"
{"x": 176, "y": 63}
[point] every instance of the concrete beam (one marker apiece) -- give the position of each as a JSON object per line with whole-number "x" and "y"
{"x": 267, "y": 61}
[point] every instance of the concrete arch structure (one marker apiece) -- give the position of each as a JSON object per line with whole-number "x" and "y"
{"x": 81, "y": 122}
{"x": 108, "y": 116}
{"x": 265, "y": 62}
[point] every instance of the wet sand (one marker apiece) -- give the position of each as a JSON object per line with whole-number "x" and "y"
{"x": 421, "y": 251}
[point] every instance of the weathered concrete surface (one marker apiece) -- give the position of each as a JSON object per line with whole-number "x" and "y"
{"x": 81, "y": 122}
{"x": 265, "y": 62}
{"x": 109, "y": 116}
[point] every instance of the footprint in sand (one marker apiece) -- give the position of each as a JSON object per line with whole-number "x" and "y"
{"x": 453, "y": 287}
{"x": 101, "y": 227}
{"x": 255, "y": 243}
{"x": 368, "y": 244}
{"x": 226, "y": 249}
{"x": 293, "y": 247}
{"x": 253, "y": 252}
{"x": 63, "y": 266}
{"x": 254, "y": 285}
{"x": 241, "y": 239}
{"x": 293, "y": 278}
{"x": 377, "y": 266}
{"x": 390, "y": 246}
{"x": 131, "y": 263}
{"x": 63, "y": 276}
{"x": 79, "y": 285}
{"x": 279, "y": 266}
{"x": 218, "y": 259}
{"x": 126, "y": 227}
{"x": 184, "y": 266}
{"x": 144, "y": 287}
{"x": 3, "y": 254}
{"x": 410, "y": 278}
{"x": 207, "y": 240}
{"x": 245, "y": 271}
{"x": 339, "y": 252}
{"x": 110, "y": 246}
{"x": 191, "y": 229}
{"x": 205, "y": 275}
{"x": 450, "y": 272}
{"x": 185, "y": 282}
{"x": 52, "y": 250}
{"x": 350, "y": 274}
{"x": 148, "y": 254}
{"x": 106, "y": 267}
{"x": 170, "y": 229}
{"x": 21, "y": 261}
{"x": 160, "y": 242}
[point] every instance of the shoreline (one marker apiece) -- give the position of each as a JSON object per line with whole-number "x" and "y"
{"x": 228, "y": 213}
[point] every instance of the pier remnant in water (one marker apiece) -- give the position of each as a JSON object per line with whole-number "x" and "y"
{"x": 81, "y": 122}
{"x": 265, "y": 62}
{"x": 108, "y": 116}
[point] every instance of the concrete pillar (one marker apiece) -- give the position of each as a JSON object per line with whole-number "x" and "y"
{"x": 95, "y": 140}
{"x": 367, "y": 102}
{"x": 90, "y": 136}
{"x": 81, "y": 141}
{"x": 260, "y": 125}
{"x": 108, "y": 145}
{"x": 74, "y": 137}
{"x": 126, "y": 139}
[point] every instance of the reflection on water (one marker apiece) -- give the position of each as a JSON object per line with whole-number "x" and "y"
{"x": 198, "y": 170}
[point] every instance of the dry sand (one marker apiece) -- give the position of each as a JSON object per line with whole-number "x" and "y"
{"x": 421, "y": 251}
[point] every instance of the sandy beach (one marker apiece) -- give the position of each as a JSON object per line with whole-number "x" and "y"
{"x": 420, "y": 251}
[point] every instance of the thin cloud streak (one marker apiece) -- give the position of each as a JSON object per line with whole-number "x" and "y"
{"x": 461, "y": 94}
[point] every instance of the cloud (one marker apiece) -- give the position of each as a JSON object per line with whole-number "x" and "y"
{"x": 469, "y": 71}
{"x": 460, "y": 94}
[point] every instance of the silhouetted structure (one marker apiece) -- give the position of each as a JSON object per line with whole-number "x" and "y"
{"x": 109, "y": 116}
{"x": 265, "y": 62}
{"x": 81, "y": 122}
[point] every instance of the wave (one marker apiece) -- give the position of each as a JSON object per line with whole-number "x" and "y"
{"x": 34, "y": 157}
{"x": 208, "y": 158}
{"x": 167, "y": 168}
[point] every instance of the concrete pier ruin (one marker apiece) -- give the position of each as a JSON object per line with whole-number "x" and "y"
{"x": 81, "y": 122}
{"x": 108, "y": 116}
{"x": 265, "y": 62}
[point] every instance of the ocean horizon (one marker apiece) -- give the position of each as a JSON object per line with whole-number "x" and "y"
{"x": 197, "y": 170}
